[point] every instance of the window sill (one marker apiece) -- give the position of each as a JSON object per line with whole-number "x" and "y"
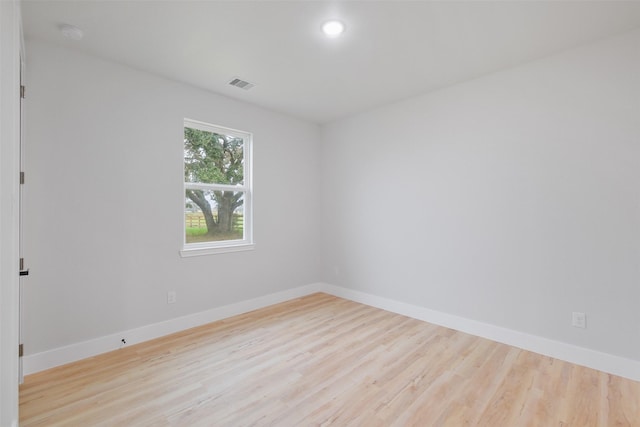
{"x": 216, "y": 250}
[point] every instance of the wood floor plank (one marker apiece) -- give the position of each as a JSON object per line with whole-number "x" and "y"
{"x": 321, "y": 360}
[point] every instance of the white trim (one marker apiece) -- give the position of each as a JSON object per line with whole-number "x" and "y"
{"x": 605, "y": 362}
{"x": 214, "y": 187}
{"x": 10, "y": 48}
{"x": 209, "y": 250}
{"x": 73, "y": 352}
{"x": 208, "y": 127}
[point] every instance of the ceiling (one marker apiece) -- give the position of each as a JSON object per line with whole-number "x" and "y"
{"x": 391, "y": 50}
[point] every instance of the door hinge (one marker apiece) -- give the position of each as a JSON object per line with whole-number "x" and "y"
{"x": 21, "y": 350}
{"x": 22, "y": 91}
{"x": 21, "y": 263}
{"x": 21, "y": 177}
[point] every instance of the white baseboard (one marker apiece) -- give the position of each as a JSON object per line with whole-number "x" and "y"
{"x": 59, "y": 356}
{"x": 605, "y": 362}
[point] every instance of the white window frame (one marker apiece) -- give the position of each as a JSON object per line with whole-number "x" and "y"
{"x": 223, "y": 246}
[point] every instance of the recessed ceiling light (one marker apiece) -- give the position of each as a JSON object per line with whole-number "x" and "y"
{"x": 333, "y": 28}
{"x": 71, "y": 32}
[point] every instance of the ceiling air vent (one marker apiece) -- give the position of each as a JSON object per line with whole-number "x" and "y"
{"x": 241, "y": 84}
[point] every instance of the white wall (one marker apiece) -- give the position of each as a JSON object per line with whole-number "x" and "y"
{"x": 511, "y": 199}
{"x": 105, "y": 201}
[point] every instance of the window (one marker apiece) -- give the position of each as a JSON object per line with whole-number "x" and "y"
{"x": 217, "y": 189}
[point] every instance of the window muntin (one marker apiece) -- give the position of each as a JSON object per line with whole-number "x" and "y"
{"x": 217, "y": 189}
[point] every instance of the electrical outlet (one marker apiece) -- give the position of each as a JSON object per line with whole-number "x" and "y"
{"x": 579, "y": 320}
{"x": 171, "y": 297}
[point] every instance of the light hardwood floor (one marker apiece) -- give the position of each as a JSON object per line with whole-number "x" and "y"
{"x": 322, "y": 360}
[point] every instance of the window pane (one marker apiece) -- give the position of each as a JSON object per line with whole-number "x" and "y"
{"x": 212, "y": 216}
{"x": 213, "y": 158}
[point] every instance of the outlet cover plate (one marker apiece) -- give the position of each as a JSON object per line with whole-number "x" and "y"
{"x": 579, "y": 320}
{"x": 171, "y": 297}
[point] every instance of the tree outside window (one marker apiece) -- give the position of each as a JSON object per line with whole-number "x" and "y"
{"x": 217, "y": 186}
